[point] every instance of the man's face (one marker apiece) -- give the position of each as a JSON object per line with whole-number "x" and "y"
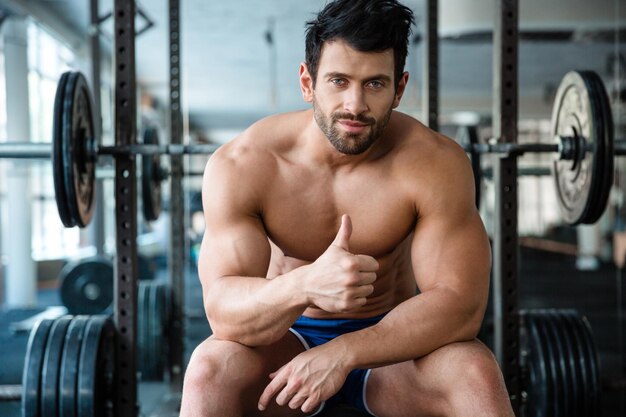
{"x": 353, "y": 96}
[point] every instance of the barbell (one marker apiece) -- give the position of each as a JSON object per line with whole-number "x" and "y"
{"x": 584, "y": 147}
{"x": 75, "y": 150}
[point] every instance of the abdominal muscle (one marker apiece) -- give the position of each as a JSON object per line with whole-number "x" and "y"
{"x": 394, "y": 283}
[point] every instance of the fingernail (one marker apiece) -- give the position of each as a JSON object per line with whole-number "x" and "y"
{"x": 261, "y": 408}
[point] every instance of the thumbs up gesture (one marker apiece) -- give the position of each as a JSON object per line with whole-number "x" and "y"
{"x": 340, "y": 281}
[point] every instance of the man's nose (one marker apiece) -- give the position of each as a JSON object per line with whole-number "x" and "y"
{"x": 354, "y": 101}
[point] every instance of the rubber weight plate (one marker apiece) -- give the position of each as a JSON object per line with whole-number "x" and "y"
{"x": 602, "y": 98}
{"x": 142, "y": 328}
{"x": 68, "y": 379}
{"x": 591, "y": 362}
{"x": 536, "y": 361}
{"x": 151, "y": 177}
{"x": 571, "y": 355}
{"x": 95, "y": 369}
{"x": 51, "y": 369}
{"x": 578, "y": 113}
{"x": 58, "y": 177}
{"x": 31, "y": 377}
{"x": 564, "y": 396}
{"x": 77, "y": 142}
{"x": 87, "y": 285}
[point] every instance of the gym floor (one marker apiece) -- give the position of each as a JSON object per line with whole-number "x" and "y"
{"x": 547, "y": 280}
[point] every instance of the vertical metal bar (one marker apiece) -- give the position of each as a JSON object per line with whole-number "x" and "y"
{"x": 177, "y": 206}
{"x": 125, "y": 210}
{"x": 505, "y": 271}
{"x": 430, "y": 95}
{"x": 97, "y": 224}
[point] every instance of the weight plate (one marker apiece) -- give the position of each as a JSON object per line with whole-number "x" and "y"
{"x": 51, "y": 369}
{"x": 571, "y": 355}
{"x": 69, "y": 366}
{"x": 578, "y": 113}
{"x": 78, "y": 139}
{"x": 95, "y": 369}
{"x": 87, "y": 285}
{"x": 151, "y": 178}
{"x": 570, "y": 320}
{"x": 539, "y": 372}
{"x": 573, "y": 394}
{"x": 159, "y": 323}
{"x": 565, "y": 399}
{"x": 60, "y": 193}
{"x": 555, "y": 390}
{"x": 593, "y": 394}
{"x": 31, "y": 377}
{"x": 607, "y": 171}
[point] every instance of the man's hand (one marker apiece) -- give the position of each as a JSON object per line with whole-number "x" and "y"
{"x": 307, "y": 380}
{"x": 341, "y": 281}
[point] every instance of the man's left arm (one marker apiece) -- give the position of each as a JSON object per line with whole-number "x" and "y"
{"x": 451, "y": 260}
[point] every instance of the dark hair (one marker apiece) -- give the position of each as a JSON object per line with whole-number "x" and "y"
{"x": 366, "y": 25}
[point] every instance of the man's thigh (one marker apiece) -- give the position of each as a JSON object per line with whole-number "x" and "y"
{"x": 434, "y": 384}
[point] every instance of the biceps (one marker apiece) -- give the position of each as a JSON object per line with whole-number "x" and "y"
{"x": 238, "y": 249}
{"x": 451, "y": 253}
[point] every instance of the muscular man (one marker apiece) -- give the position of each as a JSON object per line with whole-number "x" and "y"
{"x": 321, "y": 226}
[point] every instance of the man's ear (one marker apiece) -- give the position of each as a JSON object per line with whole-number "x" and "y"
{"x": 306, "y": 83}
{"x": 401, "y": 87}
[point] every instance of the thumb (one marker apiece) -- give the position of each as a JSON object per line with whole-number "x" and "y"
{"x": 343, "y": 235}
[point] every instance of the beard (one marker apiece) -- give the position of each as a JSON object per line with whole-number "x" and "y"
{"x": 350, "y": 143}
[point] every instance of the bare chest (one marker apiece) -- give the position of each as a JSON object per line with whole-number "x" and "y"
{"x": 302, "y": 212}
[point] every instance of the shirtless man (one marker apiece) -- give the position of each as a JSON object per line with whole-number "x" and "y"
{"x": 321, "y": 225}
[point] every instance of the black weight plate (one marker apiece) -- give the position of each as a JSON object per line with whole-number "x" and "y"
{"x": 51, "y": 369}
{"x": 577, "y": 182}
{"x": 554, "y": 388}
{"x": 77, "y": 140}
{"x": 95, "y": 369}
{"x": 607, "y": 160}
{"x": 31, "y": 377}
{"x": 538, "y": 369}
{"x": 592, "y": 365}
{"x": 571, "y": 318}
{"x": 58, "y": 177}
{"x": 572, "y": 379}
{"x": 563, "y": 377}
{"x": 87, "y": 285}
{"x": 68, "y": 380}
{"x": 151, "y": 177}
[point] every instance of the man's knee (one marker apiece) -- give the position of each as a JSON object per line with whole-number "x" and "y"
{"x": 217, "y": 365}
{"x": 474, "y": 368}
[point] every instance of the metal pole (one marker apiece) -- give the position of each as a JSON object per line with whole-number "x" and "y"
{"x": 125, "y": 304}
{"x": 97, "y": 235}
{"x": 177, "y": 206}
{"x": 430, "y": 95}
{"x": 505, "y": 251}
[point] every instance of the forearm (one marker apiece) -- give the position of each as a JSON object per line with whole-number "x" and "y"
{"x": 254, "y": 311}
{"x": 417, "y": 327}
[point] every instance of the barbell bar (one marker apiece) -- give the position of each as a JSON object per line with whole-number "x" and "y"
{"x": 33, "y": 150}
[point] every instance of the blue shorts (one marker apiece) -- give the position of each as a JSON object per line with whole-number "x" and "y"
{"x": 314, "y": 332}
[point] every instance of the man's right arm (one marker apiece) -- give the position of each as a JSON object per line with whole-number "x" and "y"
{"x": 240, "y": 303}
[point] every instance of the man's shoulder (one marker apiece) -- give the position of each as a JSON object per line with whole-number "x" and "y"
{"x": 420, "y": 146}
{"x": 255, "y": 151}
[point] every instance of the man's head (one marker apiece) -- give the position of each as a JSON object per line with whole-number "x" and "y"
{"x": 365, "y": 25}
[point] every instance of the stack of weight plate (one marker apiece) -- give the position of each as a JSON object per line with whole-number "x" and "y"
{"x": 69, "y": 368}
{"x": 560, "y": 365}
{"x": 153, "y": 313}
